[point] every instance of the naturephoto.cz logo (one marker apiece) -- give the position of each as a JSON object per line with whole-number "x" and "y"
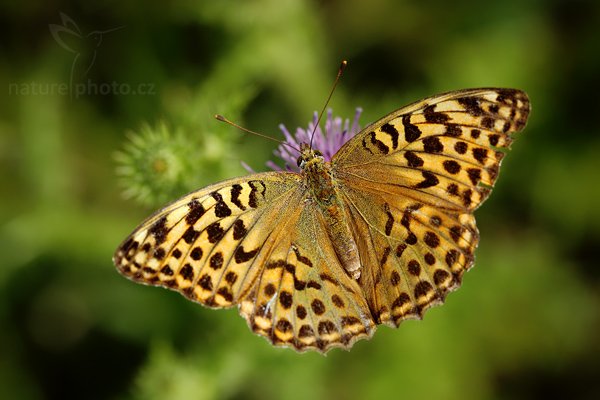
{"x": 80, "y": 89}
{"x": 84, "y": 49}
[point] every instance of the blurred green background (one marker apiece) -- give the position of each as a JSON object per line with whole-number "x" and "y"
{"x": 525, "y": 324}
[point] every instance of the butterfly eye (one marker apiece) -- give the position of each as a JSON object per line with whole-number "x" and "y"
{"x": 318, "y": 153}
{"x": 299, "y": 161}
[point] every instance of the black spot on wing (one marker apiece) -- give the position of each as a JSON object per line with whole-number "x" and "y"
{"x": 314, "y": 285}
{"x": 456, "y": 232}
{"x": 440, "y": 276}
{"x": 432, "y": 144}
{"x": 466, "y": 197}
{"x": 318, "y": 307}
{"x": 301, "y": 312}
{"x": 508, "y": 96}
{"x": 284, "y": 325}
{"x": 190, "y": 235}
{"x": 221, "y": 208}
{"x": 257, "y": 188}
{"x": 236, "y": 190}
{"x": 411, "y": 239}
{"x": 414, "y": 268}
{"x": 461, "y": 147}
{"x": 196, "y": 253}
{"x": 474, "y": 175}
{"x": 431, "y": 239}
{"x": 286, "y": 299}
{"x": 216, "y": 261}
{"x": 304, "y": 260}
{"x": 159, "y": 253}
{"x": 453, "y": 130}
{"x": 384, "y": 256}
{"x": 414, "y": 161}
{"x": 269, "y": 289}
{"x": 471, "y": 104}
{"x": 453, "y": 189}
{"x": 231, "y": 277}
{"x": 187, "y": 272}
{"x": 242, "y": 256}
{"x": 379, "y": 144}
{"x": 451, "y": 257}
{"x": 487, "y": 122}
{"x": 434, "y": 117}
{"x": 429, "y": 258}
{"x": 223, "y": 291}
{"x": 159, "y": 230}
{"x": 451, "y": 166}
{"x": 196, "y": 211}
{"x": 411, "y": 132}
{"x": 205, "y": 282}
{"x": 390, "y": 222}
{"x": 429, "y": 180}
{"x": 391, "y": 130}
{"x": 395, "y": 278}
{"x": 400, "y": 249}
{"x": 239, "y": 229}
{"x": 422, "y": 289}
{"x": 215, "y": 232}
{"x": 494, "y": 139}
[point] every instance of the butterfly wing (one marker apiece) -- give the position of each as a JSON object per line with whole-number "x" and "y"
{"x": 304, "y": 298}
{"x": 209, "y": 244}
{"x": 411, "y": 182}
{"x": 254, "y": 242}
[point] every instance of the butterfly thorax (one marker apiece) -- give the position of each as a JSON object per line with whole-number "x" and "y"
{"x": 322, "y": 186}
{"x": 318, "y": 177}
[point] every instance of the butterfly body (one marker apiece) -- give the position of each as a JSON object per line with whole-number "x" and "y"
{"x": 318, "y": 259}
{"x": 321, "y": 185}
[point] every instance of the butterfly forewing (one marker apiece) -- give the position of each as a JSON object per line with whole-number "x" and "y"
{"x": 411, "y": 181}
{"x": 210, "y": 245}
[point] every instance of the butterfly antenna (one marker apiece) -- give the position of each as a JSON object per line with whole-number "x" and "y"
{"x": 337, "y": 79}
{"x": 223, "y": 119}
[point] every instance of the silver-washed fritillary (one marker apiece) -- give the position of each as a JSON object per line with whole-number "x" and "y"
{"x": 318, "y": 259}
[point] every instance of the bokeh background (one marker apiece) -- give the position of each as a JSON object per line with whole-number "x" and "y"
{"x": 99, "y": 126}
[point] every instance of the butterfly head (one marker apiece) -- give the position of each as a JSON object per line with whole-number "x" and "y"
{"x": 308, "y": 156}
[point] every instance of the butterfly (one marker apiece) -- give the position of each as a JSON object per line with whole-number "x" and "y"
{"x": 317, "y": 259}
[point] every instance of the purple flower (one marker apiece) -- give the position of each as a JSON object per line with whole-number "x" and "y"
{"x": 337, "y": 132}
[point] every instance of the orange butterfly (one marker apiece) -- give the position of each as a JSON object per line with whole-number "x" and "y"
{"x": 378, "y": 234}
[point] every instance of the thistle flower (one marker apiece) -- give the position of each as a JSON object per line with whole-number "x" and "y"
{"x": 337, "y": 132}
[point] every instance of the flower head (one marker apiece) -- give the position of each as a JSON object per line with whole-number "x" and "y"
{"x": 328, "y": 141}
{"x": 153, "y": 164}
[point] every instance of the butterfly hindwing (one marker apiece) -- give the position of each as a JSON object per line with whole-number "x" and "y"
{"x": 412, "y": 254}
{"x": 303, "y": 298}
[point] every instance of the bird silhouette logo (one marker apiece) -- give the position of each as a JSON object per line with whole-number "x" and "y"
{"x": 85, "y": 47}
